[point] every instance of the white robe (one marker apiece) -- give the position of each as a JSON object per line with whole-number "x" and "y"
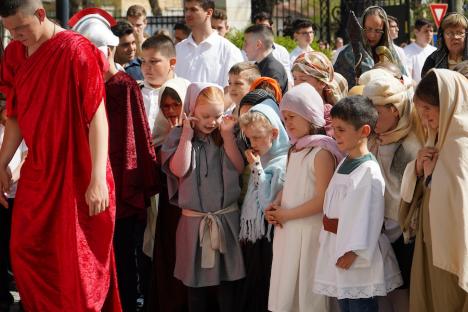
{"x": 357, "y": 200}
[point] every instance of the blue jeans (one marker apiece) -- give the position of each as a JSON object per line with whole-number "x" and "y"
{"x": 359, "y": 305}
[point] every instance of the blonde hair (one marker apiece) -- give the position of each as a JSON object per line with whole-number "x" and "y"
{"x": 252, "y": 118}
{"x": 454, "y": 20}
{"x": 211, "y": 94}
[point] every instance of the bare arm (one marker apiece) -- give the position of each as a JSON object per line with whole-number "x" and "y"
{"x": 324, "y": 164}
{"x": 180, "y": 161}
{"x": 230, "y": 145}
{"x": 11, "y": 141}
{"x": 97, "y": 194}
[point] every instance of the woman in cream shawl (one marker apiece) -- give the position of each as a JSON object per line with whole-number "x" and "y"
{"x": 395, "y": 143}
{"x": 435, "y": 198}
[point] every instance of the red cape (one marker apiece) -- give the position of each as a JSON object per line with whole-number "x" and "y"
{"x": 62, "y": 258}
{"x": 131, "y": 153}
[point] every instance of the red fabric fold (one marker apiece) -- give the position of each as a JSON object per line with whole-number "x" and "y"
{"x": 131, "y": 152}
{"x": 62, "y": 258}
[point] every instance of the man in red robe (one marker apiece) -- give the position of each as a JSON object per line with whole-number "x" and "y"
{"x": 132, "y": 157}
{"x": 63, "y": 221}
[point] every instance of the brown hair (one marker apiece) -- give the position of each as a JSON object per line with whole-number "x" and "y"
{"x": 427, "y": 89}
{"x": 161, "y": 43}
{"x": 136, "y": 11}
{"x": 248, "y": 70}
{"x": 219, "y": 14}
{"x": 205, "y": 4}
{"x": 454, "y": 20}
{"x": 170, "y": 93}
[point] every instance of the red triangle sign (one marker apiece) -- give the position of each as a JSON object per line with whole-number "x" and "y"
{"x": 438, "y": 11}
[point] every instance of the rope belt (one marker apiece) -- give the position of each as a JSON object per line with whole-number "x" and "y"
{"x": 211, "y": 233}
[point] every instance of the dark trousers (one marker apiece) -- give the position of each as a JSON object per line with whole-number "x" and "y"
{"x": 359, "y": 305}
{"x": 5, "y": 235}
{"x": 222, "y": 298}
{"x": 133, "y": 267}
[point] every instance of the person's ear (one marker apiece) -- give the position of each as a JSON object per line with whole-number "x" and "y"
{"x": 366, "y": 131}
{"x": 209, "y": 12}
{"x": 41, "y": 14}
{"x": 172, "y": 62}
{"x": 274, "y": 133}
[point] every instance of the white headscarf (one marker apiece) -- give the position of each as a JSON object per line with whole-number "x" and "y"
{"x": 162, "y": 126}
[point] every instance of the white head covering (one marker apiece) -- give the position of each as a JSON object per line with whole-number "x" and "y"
{"x": 194, "y": 89}
{"x": 96, "y": 28}
{"x": 162, "y": 126}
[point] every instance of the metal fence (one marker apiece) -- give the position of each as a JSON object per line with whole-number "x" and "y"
{"x": 156, "y": 23}
{"x": 330, "y": 18}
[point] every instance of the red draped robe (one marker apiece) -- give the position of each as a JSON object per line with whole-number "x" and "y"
{"x": 131, "y": 153}
{"x": 62, "y": 258}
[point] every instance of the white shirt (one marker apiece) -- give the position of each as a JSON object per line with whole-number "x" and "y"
{"x": 15, "y": 161}
{"x": 282, "y": 55}
{"x": 208, "y": 61}
{"x": 298, "y": 51}
{"x": 150, "y": 99}
{"x": 416, "y": 57}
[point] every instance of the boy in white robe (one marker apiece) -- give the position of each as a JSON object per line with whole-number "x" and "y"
{"x": 355, "y": 262}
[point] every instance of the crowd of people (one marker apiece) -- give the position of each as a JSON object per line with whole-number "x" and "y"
{"x": 180, "y": 173}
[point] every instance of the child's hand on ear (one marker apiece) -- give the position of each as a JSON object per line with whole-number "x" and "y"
{"x": 187, "y": 126}
{"x": 252, "y": 156}
{"x": 227, "y": 124}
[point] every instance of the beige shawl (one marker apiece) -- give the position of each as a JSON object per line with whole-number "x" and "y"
{"x": 448, "y": 203}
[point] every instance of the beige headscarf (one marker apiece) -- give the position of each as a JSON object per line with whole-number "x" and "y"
{"x": 448, "y": 203}
{"x": 317, "y": 65}
{"x": 162, "y": 125}
{"x": 391, "y": 91}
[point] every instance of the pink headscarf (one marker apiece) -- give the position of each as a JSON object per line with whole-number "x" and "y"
{"x": 193, "y": 91}
{"x": 304, "y": 100}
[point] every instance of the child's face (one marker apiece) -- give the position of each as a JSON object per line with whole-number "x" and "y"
{"x": 388, "y": 118}
{"x": 261, "y": 139}
{"x": 428, "y": 113}
{"x": 296, "y": 125}
{"x": 300, "y": 77}
{"x": 238, "y": 88}
{"x": 346, "y": 135}
{"x": 172, "y": 109}
{"x": 156, "y": 68}
{"x": 209, "y": 115}
{"x": 244, "y": 109}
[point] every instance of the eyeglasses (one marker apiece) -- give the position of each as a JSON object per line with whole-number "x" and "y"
{"x": 373, "y": 31}
{"x": 304, "y": 33}
{"x": 451, "y": 34}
